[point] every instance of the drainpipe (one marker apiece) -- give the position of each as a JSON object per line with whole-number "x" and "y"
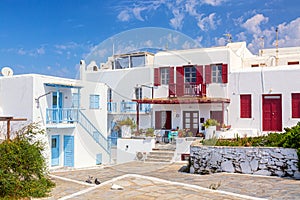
{"x": 137, "y": 116}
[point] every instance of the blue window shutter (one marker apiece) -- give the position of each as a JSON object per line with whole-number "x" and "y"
{"x": 98, "y": 159}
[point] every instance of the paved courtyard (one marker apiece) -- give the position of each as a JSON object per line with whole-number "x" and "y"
{"x": 164, "y": 181}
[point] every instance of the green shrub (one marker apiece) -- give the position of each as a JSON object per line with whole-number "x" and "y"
{"x": 22, "y": 166}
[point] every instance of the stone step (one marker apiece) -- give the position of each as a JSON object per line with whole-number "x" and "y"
{"x": 166, "y": 157}
{"x": 158, "y": 160}
{"x": 162, "y": 153}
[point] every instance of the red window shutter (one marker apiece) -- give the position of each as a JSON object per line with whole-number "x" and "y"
{"x": 207, "y": 74}
{"x": 199, "y": 74}
{"x": 179, "y": 81}
{"x": 157, "y": 119}
{"x": 171, "y": 75}
{"x": 172, "y": 90}
{"x": 296, "y": 105}
{"x": 156, "y": 77}
{"x": 225, "y": 73}
{"x": 169, "y": 120}
{"x": 245, "y": 106}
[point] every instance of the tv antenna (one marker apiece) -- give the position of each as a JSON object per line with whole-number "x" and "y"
{"x": 229, "y": 37}
{"x": 7, "y": 71}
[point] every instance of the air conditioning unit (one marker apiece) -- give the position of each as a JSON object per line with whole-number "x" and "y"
{"x": 141, "y": 156}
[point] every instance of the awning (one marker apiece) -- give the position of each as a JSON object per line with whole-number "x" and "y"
{"x": 182, "y": 100}
{"x": 62, "y": 85}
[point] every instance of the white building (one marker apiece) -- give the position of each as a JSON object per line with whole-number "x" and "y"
{"x": 253, "y": 94}
{"x": 73, "y": 113}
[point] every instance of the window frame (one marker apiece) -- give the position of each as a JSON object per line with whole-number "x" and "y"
{"x": 94, "y": 101}
{"x": 164, "y": 75}
{"x": 216, "y": 73}
{"x": 295, "y": 101}
{"x": 190, "y": 74}
{"x": 75, "y": 100}
{"x": 245, "y": 106}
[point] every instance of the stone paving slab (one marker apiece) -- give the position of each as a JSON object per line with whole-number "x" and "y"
{"x": 249, "y": 185}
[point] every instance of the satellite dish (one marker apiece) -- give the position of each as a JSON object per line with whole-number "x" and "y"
{"x": 6, "y": 71}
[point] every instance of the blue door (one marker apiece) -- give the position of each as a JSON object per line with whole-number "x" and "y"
{"x": 57, "y": 102}
{"x": 68, "y": 151}
{"x": 55, "y": 150}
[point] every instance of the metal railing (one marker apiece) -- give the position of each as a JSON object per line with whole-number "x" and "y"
{"x": 111, "y": 107}
{"x": 93, "y": 132}
{"x": 61, "y": 115}
{"x": 188, "y": 89}
{"x": 130, "y": 107}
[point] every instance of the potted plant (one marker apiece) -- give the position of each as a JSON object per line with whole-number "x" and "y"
{"x": 150, "y": 132}
{"x": 127, "y": 125}
{"x": 210, "y": 128}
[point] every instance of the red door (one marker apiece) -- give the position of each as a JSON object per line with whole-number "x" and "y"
{"x": 272, "y": 117}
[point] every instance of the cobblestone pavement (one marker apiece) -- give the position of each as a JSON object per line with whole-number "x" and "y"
{"x": 164, "y": 181}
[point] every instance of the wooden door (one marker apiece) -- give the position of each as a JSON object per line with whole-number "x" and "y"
{"x": 272, "y": 113}
{"x": 191, "y": 121}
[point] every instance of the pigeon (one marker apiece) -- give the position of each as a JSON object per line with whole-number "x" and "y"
{"x": 97, "y": 182}
{"x": 116, "y": 187}
{"x": 89, "y": 180}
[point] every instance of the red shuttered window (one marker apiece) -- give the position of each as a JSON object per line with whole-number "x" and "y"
{"x": 207, "y": 74}
{"x": 245, "y": 106}
{"x": 296, "y": 105}
{"x": 199, "y": 74}
{"x": 156, "y": 77}
{"x": 179, "y": 81}
{"x": 225, "y": 73}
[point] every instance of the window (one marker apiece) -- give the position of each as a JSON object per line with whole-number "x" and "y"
{"x": 293, "y": 63}
{"x": 189, "y": 74}
{"x": 94, "y": 101}
{"x": 255, "y": 65}
{"x": 75, "y": 100}
{"x": 245, "y": 106}
{"x": 216, "y": 72}
{"x": 296, "y": 105}
{"x": 121, "y": 63}
{"x": 164, "y": 75}
{"x": 137, "y": 61}
{"x": 138, "y": 93}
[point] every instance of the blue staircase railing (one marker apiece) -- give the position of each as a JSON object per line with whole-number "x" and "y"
{"x": 94, "y": 132}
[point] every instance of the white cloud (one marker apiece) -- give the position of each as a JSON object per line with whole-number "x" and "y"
{"x": 289, "y": 33}
{"x": 177, "y": 21}
{"x": 213, "y": 2}
{"x": 137, "y": 12}
{"x": 148, "y": 43}
{"x": 124, "y": 16}
{"x": 253, "y": 24}
{"x": 22, "y": 52}
{"x": 40, "y": 51}
{"x": 220, "y": 41}
{"x": 208, "y": 22}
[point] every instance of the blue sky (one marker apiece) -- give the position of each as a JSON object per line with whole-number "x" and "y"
{"x": 51, "y": 36}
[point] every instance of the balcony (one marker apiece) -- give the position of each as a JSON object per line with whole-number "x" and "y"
{"x": 187, "y": 89}
{"x": 111, "y": 107}
{"x": 130, "y": 107}
{"x": 61, "y": 115}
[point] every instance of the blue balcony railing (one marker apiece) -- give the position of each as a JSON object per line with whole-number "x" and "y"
{"x": 111, "y": 107}
{"x": 127, "y": 107}
{"x": 61, "y": 115}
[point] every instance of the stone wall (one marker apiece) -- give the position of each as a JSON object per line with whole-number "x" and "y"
{"x": 248, "y": 160}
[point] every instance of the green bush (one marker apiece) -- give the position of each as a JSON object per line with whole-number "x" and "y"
{"x": 22, "y": 166}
